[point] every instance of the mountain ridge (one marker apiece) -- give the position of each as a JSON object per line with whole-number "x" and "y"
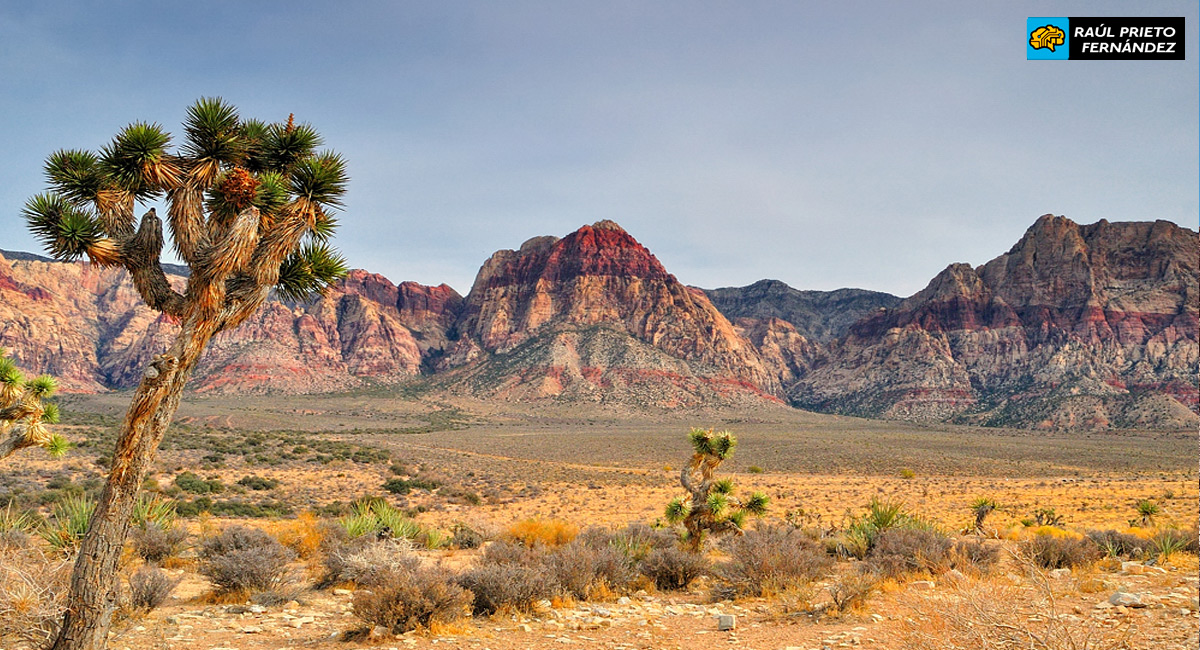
{"x": 1075, "y": 326}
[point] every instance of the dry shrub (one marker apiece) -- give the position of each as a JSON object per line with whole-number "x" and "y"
{"x": 156, "y": 544}
{"x": 899, "y": 552}
{"x": 542, "y": 532}
{"x": 975, "y": 554}
{"x": 992, "y": 614}
{"x": 508, "y": 586}
{"x": 584, "y": 570}
{"x": 849, "y": 592}
{"x": 1118, "y": 544}
{"x": 770, "y": 560}
{"x": 673, "y": 568}
{"x": 149, "y": 587}
{"x": 637, "y": 541}
{"x": 305, "y": 535}
{"x": 366, "y": 560}
{"x": 1057, "y": 552}
{"x": 405, "y": 600}
{"x": 33, "y": 588}
{"x": 245, "y": 559}
{"x": 503, "y": 552}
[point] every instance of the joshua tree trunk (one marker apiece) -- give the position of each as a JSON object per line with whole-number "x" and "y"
{"x": 93, "y": 591}
{"x": 242, "y": 198}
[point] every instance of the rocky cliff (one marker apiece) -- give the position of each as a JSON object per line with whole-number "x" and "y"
{"x": 819, "y": 316}
{"x": 1076, "y": 326}
{"x": 87, "y": 326}
{"x": 595, "y": 315}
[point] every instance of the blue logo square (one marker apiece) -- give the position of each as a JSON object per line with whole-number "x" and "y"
{"x": 1048, "y": 39}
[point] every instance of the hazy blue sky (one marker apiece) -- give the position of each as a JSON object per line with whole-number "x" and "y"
{"x": 824, "y": 144}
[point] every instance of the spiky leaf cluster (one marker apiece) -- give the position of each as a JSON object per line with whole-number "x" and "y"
{"x": 223, "y": 166}
{"x": 710, "y": 506}
{"x": 25, "y": 411}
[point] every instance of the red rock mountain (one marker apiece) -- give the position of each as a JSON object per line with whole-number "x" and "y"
{"x": 88, "y": 327}
{"x": 1076, "y": 326}
{"x": 1089, "y": 326}
{"x": 594, "y": 315}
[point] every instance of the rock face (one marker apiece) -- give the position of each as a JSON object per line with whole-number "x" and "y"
{"x": 1091, "y": 326}
{"x": 819, "y": 316}
{"x": 595, "y": 312}
{"x": 1076, "y": 326}
{"x": 87, "y": 326}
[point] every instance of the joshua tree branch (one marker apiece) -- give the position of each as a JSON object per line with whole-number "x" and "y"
{"x": 140, "y": 255}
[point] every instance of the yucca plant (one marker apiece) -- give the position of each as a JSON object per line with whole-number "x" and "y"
{"x": 68, "y": 522}
{"x": 710, "y": 507}
{"x": 154, "y": 509}
{"x": 25, "y": 411}
{"x": 1147, "y": 510}
{"x": 249, "y": 210}
{"x": 981, "y": 508}
{"x": 378, "y": 517}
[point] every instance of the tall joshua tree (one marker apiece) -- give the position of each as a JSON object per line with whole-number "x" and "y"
{"x": 24, "y": 411}
{"x": 710, "y": 506}
{"x": 248, "y": 209}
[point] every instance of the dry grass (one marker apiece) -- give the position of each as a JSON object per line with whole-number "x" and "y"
{"x": 542, "y": 532}
{"x": 33, "y": 585}
{"x": 996, "y": 614}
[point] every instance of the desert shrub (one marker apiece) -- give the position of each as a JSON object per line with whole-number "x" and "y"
{"x": 305, "y": 535}
{"x": 503, "y": 552}
{"x": 464, "y": 536}
{"x": 508, "y": 586}
{"x": 544, "y": 532}
{"x": 245, "y": 559}
{"x": 1057, "y": 552}
{"x": 190, "y": 482}
{"x": 410, "y": 599}
{"x": 1117, "y": 544}
{"x": 881, "y": 515}
{"x": 900, "y": 551}
{"x": 975, "y": 554}
{"x": 404, "y": 486}
{"x": 673, "y": 568}
{"x": 149, "y": 587}
{"x": 636, "y": 541}
{"x": 255, "y": 482}
{"x": 153, "y": 543}
{"x": 33, "y": 588}
{"x": 770, "y": 559}
{"x": 850, "y": 591}
{"x": 582, "y": 569}
{"x": 366, "y": 560}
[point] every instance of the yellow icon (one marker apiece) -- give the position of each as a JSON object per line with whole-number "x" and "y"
{"x": 1047, "y": 36}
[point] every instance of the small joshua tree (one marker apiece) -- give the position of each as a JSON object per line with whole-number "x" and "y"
{"x": 249, "y": 210}
{"x": 24, "y": 411}
{"x": 1147, "y": 510}
{"x": 981, "y": 508}
{"x": 710, "y": 506}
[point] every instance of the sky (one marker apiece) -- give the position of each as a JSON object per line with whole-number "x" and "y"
{"x": 827, "y": 145}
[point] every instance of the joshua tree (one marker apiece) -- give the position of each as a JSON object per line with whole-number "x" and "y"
{"x": 710, "y": 506}
{"x": 981, "y": 508}
{"x": 248, "y": 210}
{"x": 24, "y": 411}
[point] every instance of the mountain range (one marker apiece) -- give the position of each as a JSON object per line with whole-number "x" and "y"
{"x": 1076, "y": 326}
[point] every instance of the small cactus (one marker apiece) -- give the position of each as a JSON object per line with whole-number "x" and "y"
{"x": 710, "y": 506}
